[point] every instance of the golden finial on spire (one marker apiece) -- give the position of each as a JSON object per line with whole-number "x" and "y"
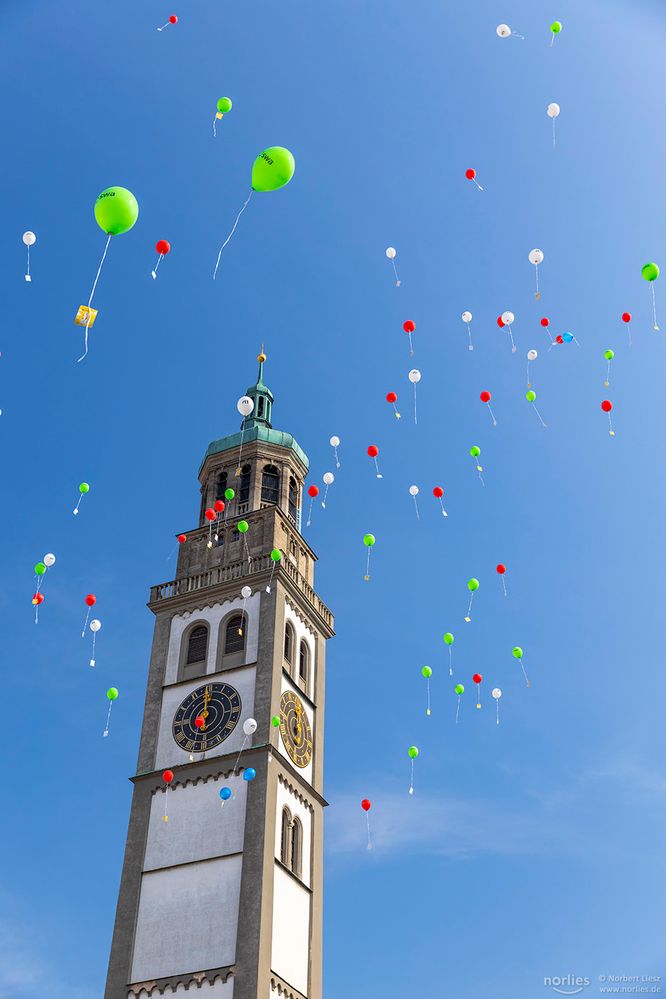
{"x": 261, "y": 357}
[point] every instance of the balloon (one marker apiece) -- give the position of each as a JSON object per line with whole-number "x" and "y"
{"x": 470, "y": 173}
{"x": 626, "y": 317}
{"x": 84, "y": 488}
{"x": 373, "y": 451}
{"x": 95, "y": 626}
{"x": 414, "y": 376}
{"x": 229, "y": 494}
{"x": 391, "y": 397}
{"x": 209, "y": 514}
{"x": 366, "y": 805}
{"x": 37, "y": 599}
{"x": 517, "y": 652}
{"x": 501, "y": 569}
{"x": 369, "y": 540}
{"x": 218, "y": 506}
{"x": 182, "y": 538}
{"x": 246, "y": 593}
{"x": 199, "y": 721}
{"x": 426, "y": 672}
{"x": 112, "y": 693}
{"x": 477, "y": 678}
{"x": 530, "y": 396}
{"x": 500, "y": 322}
{"x": 409, "y": 326}
{"x": 559, "y": 339}
{"x": 91, "y": 600}
{"x": 413, "y": 490}
{"x": 334, "y": 442}
{"x": 448, "y": 638}
{"x": 609, "y": 354}
{"x": 475, "y": 451}
{"x": 567, "y": 337}
{"x": 328, "y": 478}
{"x": 535, "y": 257}
{"x": 556, "y": 27}
{"x": 313, "y": 491}
{"x": 249, "y": 774}
{"x": 532, "y": 355}
{"x": 242, "y": 526}
{"x": 272, "y": 169}
{"x": 167, "y": 776}
{"x": 275, "y": 721}
{"x": 49, "y": 560}
{"x": 545, "y": 322}
{"x": 163, "y": 247}
{"x": 224, "y": 105}
{"x": 116, "y": 210}
{"x": 485, "y": 396}
{"x": 497, "y": 693}
{"x": 606, "y": 405}
{"x": 29, "y": 238}
{"x": 245, "y": 405}
{"x": 225, "y": 793}
{"x": 459, "y": 689}
{"x": 466, "y": 317}
{"x": 276, "y": 555}
{"x": 173, "y": 19}
{"x": 508, "y": 318}
{"x": 553, "y": 110}
{"x": 438, "y": 492}
{"x": 503, "y": 30}
{"x": 472, "y": 584}
{"x": 40, "y": 569}
{"x": 650, "y": 272}
{"x": 249, "y": 726}
{"x": 413, "y": 752}
{"x": 390, "y": 252}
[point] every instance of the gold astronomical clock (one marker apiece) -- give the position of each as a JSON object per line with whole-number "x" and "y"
{"x": 295, "y": 729}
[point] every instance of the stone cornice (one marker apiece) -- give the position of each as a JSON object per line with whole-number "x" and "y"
{"x": 168, "y": 986}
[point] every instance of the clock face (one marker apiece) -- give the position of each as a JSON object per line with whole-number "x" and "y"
{"x": 219, "y": 705}
{"x": 295, "y": 729}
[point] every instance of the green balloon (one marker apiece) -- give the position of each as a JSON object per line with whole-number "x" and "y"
{"x": 609, "y": 355}
{"x": 229, "y": 494}
{"x": 518, "y": 652}
{"x": 530, "y": 396}
{"x": 475, "y": 451}
{"x": 276, "y": 555}
{"x": 368, "y": 540}
{"x": 275, "y": 721}
{"x": 472, "y": 584}
{"x": 413, "y": 752}
{"x": 40, "y": 569}
{"x": 448, "y": 638}
{"x": 112, "y": 693}
{"x": 426, "y": 672}
{"x": 116, "y": 210}
{"x": 650, "y": 272}
{"x": 272, "y": 169}
{"x": 84, "y": 488}
{"x": 556, "y": 27}
{"x": 224, "y": 105}
{"x": 243, "y": 526}
{"x": 459, "y": 689}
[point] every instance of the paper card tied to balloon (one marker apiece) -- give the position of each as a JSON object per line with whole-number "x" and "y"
{"x": 85, "y": 316}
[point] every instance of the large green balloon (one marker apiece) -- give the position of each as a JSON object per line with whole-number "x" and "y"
{"x": 224, "y": 105}
{"x": 276, "y": 555}
{"x": 472, "y": 584}
{"x": 413, "y": 752}
{"x": 229, "y": 494}
{"x": 84, "y": 488}
{"x": 448, "y": 638}
{"x": 609, "y": 354}
{"x": 40, "y": 569}
{"x": 518, "y": 652}
{"x": 556, "y": 27}
{"x": 531, "y": 395}
{"x": 112, "y": 693}
{"x": 243, "y": 526}
{"x": 116, "y": 210}
{"x": 459, "y": 689}
{"x": 275, "y": 721}
{"x": 272, "y": 169}
{"x": 475, "y": 451}
{"x": 426, "y": 672}
{"x": 650, "y": 272}
{"x": 368, "y": 540}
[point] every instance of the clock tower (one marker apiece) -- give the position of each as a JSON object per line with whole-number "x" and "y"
{"x": 224, "y": 895}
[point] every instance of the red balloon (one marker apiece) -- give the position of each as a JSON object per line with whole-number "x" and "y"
{"x": 37, "y": 598}
{"x": 485, "y": 397}
{"x": 545, "y": 322}
{"x": 477, "y": 678}
{"x": 219, "y": 505}
{"x": 182, "y": 538}
{"x": 500, "y": 322}
{"x": 210, "y": 514}
{"x": 91, "y": 600}
{"x": 199, "y": 721}
{"x": 162, "y": 246}
{"x": 606, "y": 405}
{"x": 391, "y": 397}
{"x": 626, "y": 317}
{"x": 366, "y": 805}
{"x": 313, "y": 491}
{"x": 438, "y": 492}
{"x": 501, "y": 569}
{"x": 173, "y": 19}
{"x": 373, "y": 450}
{"x": 409, "y": 326}
{"x": 470, "y": 174}
{"x": 559, "y": 339}
{"x": 167, "y": 776}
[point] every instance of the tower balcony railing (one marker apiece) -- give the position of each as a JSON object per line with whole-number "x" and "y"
{"x": 237, "y": 571}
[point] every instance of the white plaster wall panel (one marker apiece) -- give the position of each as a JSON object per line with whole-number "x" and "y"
{"x": 302, "y": 632}
{"x": 305, "y": 772}
{"x": 291, "y": 930}
{"x": 187, "y": 919}
{"x": 285, "y": 798}
{"x": 218, "y": 990}
{"x": 199, "y": 827}
{"x": 213, "y": 616}
{"x": 169, "y": 752}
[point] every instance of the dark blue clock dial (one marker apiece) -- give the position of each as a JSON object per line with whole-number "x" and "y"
{"x": 219, "y": 705}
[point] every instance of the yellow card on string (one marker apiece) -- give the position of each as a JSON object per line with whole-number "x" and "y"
{"x": 85, "y": 316}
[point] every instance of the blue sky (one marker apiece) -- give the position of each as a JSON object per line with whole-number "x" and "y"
{"x": 531, "y": 849}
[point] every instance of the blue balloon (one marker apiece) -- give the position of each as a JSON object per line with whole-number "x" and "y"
{"x": 567, "y": 337}
{"x": 249, "y": 774}
{"x": 225, "y": 793}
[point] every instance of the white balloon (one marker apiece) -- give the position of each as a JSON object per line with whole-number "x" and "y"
{"x": 245, "y": 405}
{"x": 29, "y": 238}
{"x": 503, "y": 30}
{"x": 535, "y": 257}
{"x": 553, "y": 110}
{"x": 249, "y": 726}
{"x": 49, "y": 560}
{"x": 329, "y": 478}
{"x": 497, "y": 693}
{"x": 414, "y": 376}
{"x": 95, "y": 625}
{"x": 334, "y": 442}
{"x": 532, "y": 355}
{"x": 246, "y": 592}
{"x": 390, "y": 252}
{"x": 466, "y": 317}
{"x": 508, "y": 318}
{"x": 413, "y": 490}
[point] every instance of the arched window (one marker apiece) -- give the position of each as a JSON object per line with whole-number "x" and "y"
{"x": 303, "y": 663}
{"x": 221, "y": 485}
{"x": 244, "y": 484}
{"x": 260, "y": 407}
{"x": 285, "y": 842}
{"x": 289, "y": 639}
{"x": 293, "y": 498}
{"x": 234, "y": 637}
{"x": 296, "y": 846}
{"x": 270, "y": 485}
{"x": 197, "y": 646}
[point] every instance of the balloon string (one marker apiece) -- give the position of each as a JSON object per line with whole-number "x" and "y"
{"x": 610, "y": 426}
{"x": 450, "y": 661}
{"x": 477, "y": 183}
{"x": 337, "y": 460}
{"x": 654, "y": 308}
{"x": 529, "y": 383}
{"x": 397, "y": 279}
{"x": 323, "y": 502}
{"x": 268, "y": 588}
{"x": 247, "y": 549}
{"x": 239, "y": 754}
{"x": 513, "y": 345}
{"x": 411, "y": 781}
{"x": 415, "y": 402}
{"x": 469, "y": 609}
{"x": 85, "y": 624}
{"x": 154, "y": 272}
{"x": 441, "y": 503}
{"x": 37, "y": 613}
{"x": 367, "y": 566}
{"x": 553, "y": 133}
{"x": 504, "y": 585}
{"x": 469, "y": 330}
{"x": 497, "y": 702}
{"x": 231, "y": 234}
{"x": 537, "y": 293}
{"x": 27, "y": 273}
{"x": 552, "y": 41}
{"x": 428, "y": 689}
{"x": 525, "y": 674}
{"x": 108, "y": 718}
{"x": 411, "y": 346}
{"x": 214, "y": 126}
{"x": 310, "y": 512}
{"x": 458, "y": 709}
{"x": 76, "y": 508}
{"x": 416, "y": 507}
{"x": 379, "y": 474}
{"x": 99, "y": 271}
{"x": 165, "y": 817}
{"x": 540, "y": 417}
{"x": 492, "y": 415}
{"x": 367, "y": 818}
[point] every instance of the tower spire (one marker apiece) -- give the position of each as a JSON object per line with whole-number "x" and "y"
{"x": 262, "y": 398}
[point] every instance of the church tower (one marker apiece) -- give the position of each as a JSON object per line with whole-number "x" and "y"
{"x": 225, "y": 897}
